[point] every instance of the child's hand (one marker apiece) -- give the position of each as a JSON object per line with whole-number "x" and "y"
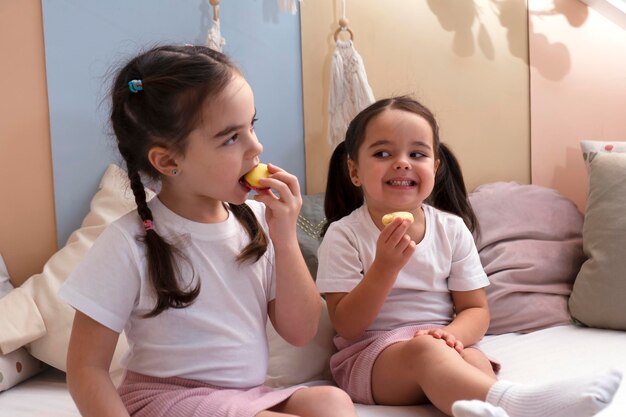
{"x": 449, "y": 338}
{"x": 282, "y": 204}
{"x": 394, "y": 246}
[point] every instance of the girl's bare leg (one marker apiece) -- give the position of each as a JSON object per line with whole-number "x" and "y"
{"x": 325, "y": 401}
{"x": 426, "y": 369}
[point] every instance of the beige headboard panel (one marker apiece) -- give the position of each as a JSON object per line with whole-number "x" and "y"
{"x": 467, "y": 61}
{"x": 27, "y": 222}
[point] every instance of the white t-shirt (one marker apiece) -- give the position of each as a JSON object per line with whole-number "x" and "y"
{"x": 445, "y": 260}
{"x": 220, "y": 338}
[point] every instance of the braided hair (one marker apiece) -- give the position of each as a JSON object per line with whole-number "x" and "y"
{"x": 156, "y": 100}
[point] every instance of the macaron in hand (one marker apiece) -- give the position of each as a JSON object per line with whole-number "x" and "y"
{"x": 388, "y": 218}
{"x": 251, "y": 179}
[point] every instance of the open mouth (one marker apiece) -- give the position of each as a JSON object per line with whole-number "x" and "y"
{"x": 247, "y": 185}
{"x": 244, "y": 183}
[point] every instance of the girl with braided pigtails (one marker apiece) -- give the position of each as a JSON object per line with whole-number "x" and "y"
{"x": 192, "y": 275}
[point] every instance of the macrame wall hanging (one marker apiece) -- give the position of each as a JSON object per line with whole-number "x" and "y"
{"x": 214, "y": 38}
{"x": 350, "y": 91}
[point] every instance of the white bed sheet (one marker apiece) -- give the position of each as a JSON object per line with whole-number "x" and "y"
{"x": 546, "y": 355}
{"x": 42, "y": 395}
{"x": 543, "y": 356}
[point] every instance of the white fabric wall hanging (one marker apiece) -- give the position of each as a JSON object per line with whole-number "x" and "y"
{"x": 288, "y": 6}
{"x": 350, "y": 91}
{"x": 214, "y": 38}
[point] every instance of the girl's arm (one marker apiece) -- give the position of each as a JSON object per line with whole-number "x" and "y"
{"x": 89, "y": 356}
{"x": 295, "y": 311}
{"x": 471, "y": 321}
{"x": 352, "y": 313}
{"x": 472, "y": 316}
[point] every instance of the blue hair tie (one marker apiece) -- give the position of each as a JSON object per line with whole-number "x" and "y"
{"x": 135, "y": 86}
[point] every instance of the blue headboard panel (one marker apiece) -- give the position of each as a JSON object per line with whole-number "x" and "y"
{"x": 86, "y": 40}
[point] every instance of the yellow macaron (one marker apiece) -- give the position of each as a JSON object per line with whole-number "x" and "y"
{"x": 388, "y": 218}
{"x": 254, "y": 175}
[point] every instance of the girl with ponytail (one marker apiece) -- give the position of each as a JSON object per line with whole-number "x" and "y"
{"x": 192, "y": 275}
{"x": 406, "y": 296}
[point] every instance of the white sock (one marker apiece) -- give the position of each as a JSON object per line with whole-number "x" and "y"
{"x": 580, "y": 397}
{"x": 476, "y": 408}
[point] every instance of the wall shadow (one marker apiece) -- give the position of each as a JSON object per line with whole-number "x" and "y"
{"x": 462, "y": 16}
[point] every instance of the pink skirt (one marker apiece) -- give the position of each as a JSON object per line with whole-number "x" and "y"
{"x": 352, "y": 365}
{"x": 147, "y": 396}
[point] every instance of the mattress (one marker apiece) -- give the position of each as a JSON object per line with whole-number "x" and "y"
{"x": 542, "y": 356}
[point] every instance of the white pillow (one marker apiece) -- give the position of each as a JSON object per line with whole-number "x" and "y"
{"x": 290, "y": 365}
{"x": 32, "y": 315}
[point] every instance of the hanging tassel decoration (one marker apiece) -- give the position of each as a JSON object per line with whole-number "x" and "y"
{"x": 214, "y": 38}
{"x": 350, "y": 91}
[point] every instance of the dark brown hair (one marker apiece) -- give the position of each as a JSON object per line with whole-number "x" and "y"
{"x": 342, "y": 197}
{"x": 176, "y": 81}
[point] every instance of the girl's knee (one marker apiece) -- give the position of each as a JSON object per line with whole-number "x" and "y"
{"x": 426, "y": 344}
{"x": 332, "y": 395}
{"x": 422, "y": 350}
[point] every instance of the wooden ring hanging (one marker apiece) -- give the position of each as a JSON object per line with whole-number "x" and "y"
{"x": 216, "y": 9}
{"x": 343, "y": 26}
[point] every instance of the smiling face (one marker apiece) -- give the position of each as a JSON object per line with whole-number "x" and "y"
{"x": 396, "y": 162}
{"x": 219, "y": 151}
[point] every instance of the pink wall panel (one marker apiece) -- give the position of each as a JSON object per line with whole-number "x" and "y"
{"x": 27, "y": 225}
{"x": 577, "y": 90}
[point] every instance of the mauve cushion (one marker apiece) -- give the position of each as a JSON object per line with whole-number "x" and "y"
{"x": 530, "y": 245}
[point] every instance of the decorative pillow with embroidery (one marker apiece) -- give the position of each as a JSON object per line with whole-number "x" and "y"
{"x": 18, "y": 365}
{"x": 591, "y": 148}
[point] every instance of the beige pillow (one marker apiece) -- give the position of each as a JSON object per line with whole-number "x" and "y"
{"x": 597, "y": 299}
{"x": 291, "y": 365}
{"x": 32, "y": 315}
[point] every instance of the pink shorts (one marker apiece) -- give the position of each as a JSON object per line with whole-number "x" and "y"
{"x": 352, "y": 365}
{"x": 147, "y": 396}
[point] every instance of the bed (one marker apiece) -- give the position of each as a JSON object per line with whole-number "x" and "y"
{"x": 558, "y": 281}
{"x": 550, "y": 354}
